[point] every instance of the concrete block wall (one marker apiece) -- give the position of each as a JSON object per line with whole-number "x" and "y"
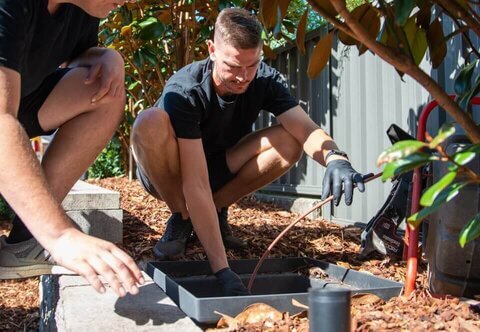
{"x": 95, "y": 210}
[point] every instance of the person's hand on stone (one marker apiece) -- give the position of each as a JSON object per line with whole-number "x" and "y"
{"x": 91, "y": 258}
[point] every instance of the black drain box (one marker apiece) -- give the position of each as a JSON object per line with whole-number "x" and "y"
{"x": 196, "y": 291}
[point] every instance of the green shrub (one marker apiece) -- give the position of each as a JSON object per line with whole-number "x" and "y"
{"x": 109, "y": 163}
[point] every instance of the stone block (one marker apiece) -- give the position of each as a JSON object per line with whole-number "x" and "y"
{"x": 69, "y": 303}
{"x": 95, "y": 210}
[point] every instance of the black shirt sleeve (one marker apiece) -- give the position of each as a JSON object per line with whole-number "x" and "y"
{"x": 184, "y": 114}
{"x": 277, "y": 98}
{"x": 13, "y": 21}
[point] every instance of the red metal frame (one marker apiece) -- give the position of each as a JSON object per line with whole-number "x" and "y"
{"x": 411, "y": 235}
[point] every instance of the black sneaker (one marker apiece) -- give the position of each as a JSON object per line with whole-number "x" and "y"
{"x": 174, "y": 239}
{"x": 229, "y": 241}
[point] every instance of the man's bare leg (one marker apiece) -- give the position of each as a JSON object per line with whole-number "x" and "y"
{"x": 258, "y": 159}
{"x": 156, "y": 151}
{"x": 84, "y": 129}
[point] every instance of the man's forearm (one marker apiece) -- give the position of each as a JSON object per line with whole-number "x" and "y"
{"x": 205, "y": 220}
{"x": 23, "y": 184}
{"x": 318, "y": 144}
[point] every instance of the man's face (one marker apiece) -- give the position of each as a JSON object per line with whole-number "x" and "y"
{"x": 99, "y": 8}
{"x": 234, "y": 68}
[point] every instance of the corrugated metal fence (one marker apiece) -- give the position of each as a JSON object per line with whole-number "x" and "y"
{"x": 355, "y": 99}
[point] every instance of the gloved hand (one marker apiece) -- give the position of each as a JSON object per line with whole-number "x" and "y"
{"x": 338, "y": 172}
{"x": 231, "y": 283}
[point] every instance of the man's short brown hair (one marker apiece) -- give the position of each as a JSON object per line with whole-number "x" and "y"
{"x": 239, "y": 28}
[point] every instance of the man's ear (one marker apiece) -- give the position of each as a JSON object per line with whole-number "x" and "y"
{"x": 211, "y": 49}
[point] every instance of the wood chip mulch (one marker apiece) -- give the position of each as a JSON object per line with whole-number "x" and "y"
{"x": 258, "y": 223}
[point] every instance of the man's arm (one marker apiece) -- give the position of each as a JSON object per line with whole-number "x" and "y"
{"x": 24, "y": 187}
{"x": 199, "y": 200}
{"x": 317, "y": 144}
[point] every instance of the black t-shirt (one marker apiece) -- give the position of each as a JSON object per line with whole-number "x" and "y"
{"x": 34, "y": 43}
{"x": 196, "y": 111}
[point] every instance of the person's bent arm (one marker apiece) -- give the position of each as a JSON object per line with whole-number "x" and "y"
{"x": 24, "y": 187}
{"x": 339, "y": 176}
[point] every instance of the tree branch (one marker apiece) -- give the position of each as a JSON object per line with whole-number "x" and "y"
{"x": 453, "y": 7}
{"x": 406, "y": 65}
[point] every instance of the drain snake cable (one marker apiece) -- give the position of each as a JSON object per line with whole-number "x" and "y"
{"x": 367, "y": 178}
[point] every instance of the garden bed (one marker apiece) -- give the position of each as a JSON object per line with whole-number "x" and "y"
{"x": 258, "y": 223}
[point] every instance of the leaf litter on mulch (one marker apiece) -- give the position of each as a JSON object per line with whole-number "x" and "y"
{"x": 259, "y": 223}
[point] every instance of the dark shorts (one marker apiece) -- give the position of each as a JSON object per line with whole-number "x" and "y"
{"x": 30, "y": 105}
{"x": 218, "y": 174}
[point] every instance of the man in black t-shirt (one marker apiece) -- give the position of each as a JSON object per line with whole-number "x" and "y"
{"x": 83, "y": 101}
{"x": 196, "y": 149}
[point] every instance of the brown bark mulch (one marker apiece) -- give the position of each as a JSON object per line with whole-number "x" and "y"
{"x": 258, "y": 223}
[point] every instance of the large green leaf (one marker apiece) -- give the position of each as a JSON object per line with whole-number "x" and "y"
{"x": 406, "y": 164}
{"x": 445, "y": 196}
{"x": 403, "y": 8}
{"x": 464, "y": 156}
{"x": 470, "y": 232}
{"x": 445, "y": 131}
{"x": 151, "y": 29}
{"x": 463, "y": 82}
{"x": 417, "y": 40}
{"x": 399, "y": 150}
{"x": 320, "y": 56}
{"x": 437, "y": 44}
{"x": 432, "y": 193}
{"x": 464, "y": 101}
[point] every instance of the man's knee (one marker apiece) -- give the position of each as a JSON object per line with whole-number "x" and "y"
{"x": 153, "y": 125}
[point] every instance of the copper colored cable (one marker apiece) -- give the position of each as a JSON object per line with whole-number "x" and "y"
{"x": 278, "y": 238}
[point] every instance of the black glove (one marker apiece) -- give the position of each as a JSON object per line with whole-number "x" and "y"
{"x": 338, "y": 172}
{"x": 231, "y": 283}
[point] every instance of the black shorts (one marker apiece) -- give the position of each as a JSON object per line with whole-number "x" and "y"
{"x": 31, "y": 104}
{"x": 218, "y": 174}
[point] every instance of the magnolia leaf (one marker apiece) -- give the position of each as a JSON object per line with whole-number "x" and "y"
{"x": 320, "y": 56}
{"x": 269, "y": 13}
{"x": 417, "y": 40}
{"x": 406, "y": 164}
{"x": 463, "y": 81}
{"x": 387, "y": 38}
{"x": 403, "y": 8}
{"x": 399, "y": 150}
{"x": 464, "y": 156}
{"x": 282, "y": 8}
{"x": 424, "y": 15}
{"x": 470, "y": 232}
{"x": 302, "y": 27}
{"x": 138, "y": 59}
{"x": 151, "y": 29}
{"x": 445, "y": 196}
{"x": 465, "y": 100}
{"x": 437, "y": 44}
{"x": 368, "y": 18}
{"x": 269, "y": 53}
{"x": 445, "y": 131}
{"x": 432, "y": 193}
{"x": 326, "y": 6}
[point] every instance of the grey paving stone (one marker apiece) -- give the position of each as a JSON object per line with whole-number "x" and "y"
{"x": 70, "y": 304}
{"x": 85, "y": 196}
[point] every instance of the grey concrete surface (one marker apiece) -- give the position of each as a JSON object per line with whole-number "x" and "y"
{"x": 69, "y": 303}
{"x": 95, "y": 210}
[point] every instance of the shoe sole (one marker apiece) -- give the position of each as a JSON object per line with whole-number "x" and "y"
{"x": 21, "y": 272}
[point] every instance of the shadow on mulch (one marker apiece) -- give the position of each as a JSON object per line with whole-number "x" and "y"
{"x": 18, "y": 319}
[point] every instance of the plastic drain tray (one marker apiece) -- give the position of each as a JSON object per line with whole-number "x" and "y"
{"x": 191, "y": 285}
